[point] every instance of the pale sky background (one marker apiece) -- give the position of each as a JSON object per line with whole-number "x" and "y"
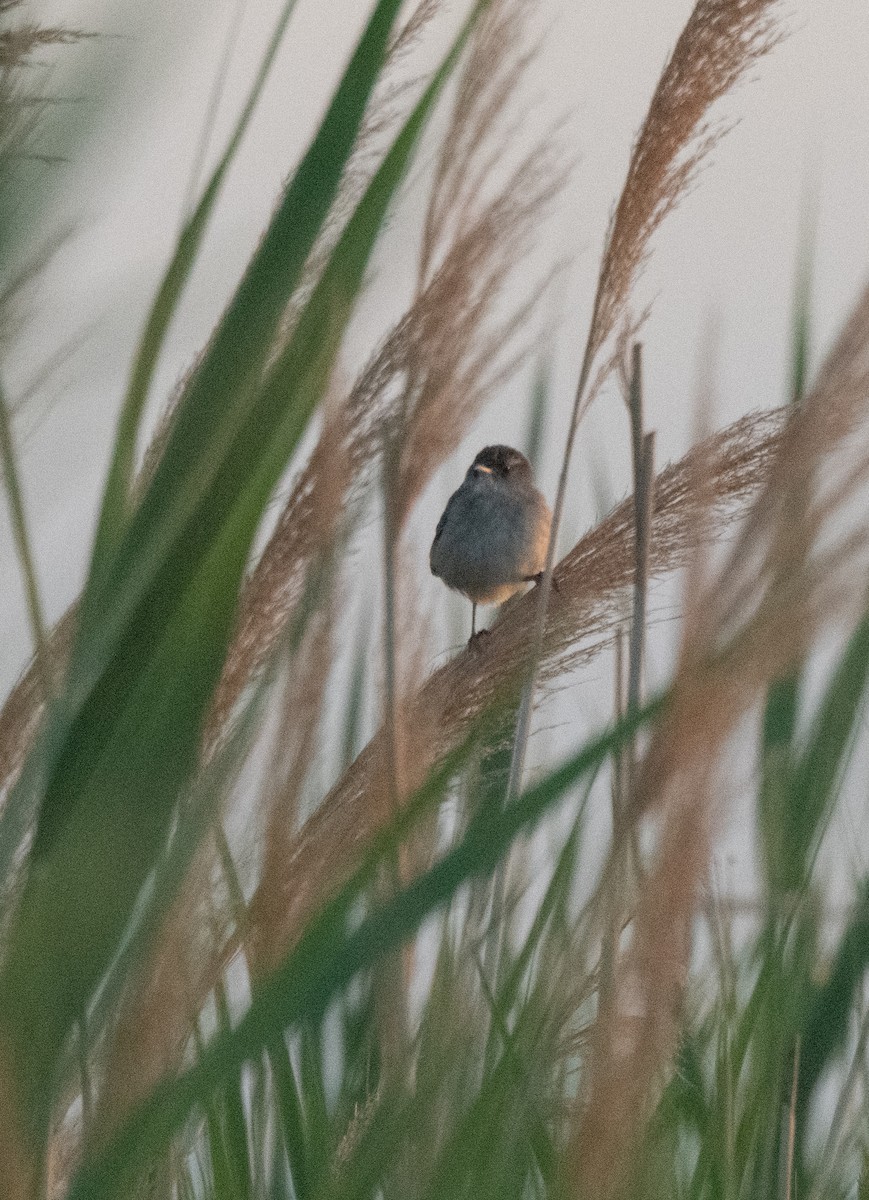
{"x": 727, "y": 256}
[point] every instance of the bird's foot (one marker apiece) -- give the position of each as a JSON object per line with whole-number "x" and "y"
{"x": 538, "y": 579}
{"x": 475, "y": 641}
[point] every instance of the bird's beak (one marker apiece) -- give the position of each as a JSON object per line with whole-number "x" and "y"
{"x": 479, "y": 469}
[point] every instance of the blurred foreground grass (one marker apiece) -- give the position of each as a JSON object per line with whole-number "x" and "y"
{"x": 380, "y": 1005}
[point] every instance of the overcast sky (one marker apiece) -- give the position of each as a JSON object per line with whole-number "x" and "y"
{"x": 727, "y": 256}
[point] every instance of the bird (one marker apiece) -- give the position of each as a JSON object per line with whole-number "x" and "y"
{"x": 493, "y": 536}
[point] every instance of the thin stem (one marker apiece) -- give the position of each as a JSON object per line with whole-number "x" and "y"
{"x": 390, "y": 998}
{"x": 22, "y": 545}
{"x": 214, "y": 98}
{"x": 87, "y": 1097}
{"x": 832, "y": 1145}
{"x": 526, "y": 706}
{"x": 645, "y": 516}
{"x": 792, "y": 1126}
{"x": 391, "y": 474}
{"x": 643, "y": 446}
{"x": 611, "y": 929}
{"x": 237, "y": 902}
{"x": 618, "y": 786}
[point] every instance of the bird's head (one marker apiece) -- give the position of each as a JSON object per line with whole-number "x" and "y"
{"x": 500, "y": 462}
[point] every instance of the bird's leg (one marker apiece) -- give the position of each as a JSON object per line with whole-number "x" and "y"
{"x": 538, "y": 579}
{"x": 477, "y": 635}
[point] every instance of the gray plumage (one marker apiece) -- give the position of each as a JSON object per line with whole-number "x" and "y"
{"x": 494, "y": 532}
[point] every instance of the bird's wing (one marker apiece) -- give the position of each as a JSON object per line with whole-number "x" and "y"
{"x": 434, "y": 553}
{"x": 444, "y": 518}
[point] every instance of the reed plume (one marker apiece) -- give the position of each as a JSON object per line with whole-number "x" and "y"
{"x": 455, "y": 345}
{"x": 788, "y": 573}
{"x": 591, "y": 581}
{"x": 719, "y": 43}
{"x": 503, "y": 1028}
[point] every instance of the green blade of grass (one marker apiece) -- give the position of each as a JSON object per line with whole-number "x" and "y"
{"x": 831, "y": 740}
{"x": 316, "y": 1110}
{"x": 218, "y": 384}
{"x": 228, "y": 1126}
{"x": 132, "y": 745}
{"x": 22, "y": 544}
{"x": 555, "y": 898}
{"x": 326, "y": 958}
{"x": 80, "y": 893}
{"x": 516, "y": 1059}
{"x": 232, "y": 504}
{"x": 292, "y": 234}
{"x": 782, "y": 707}
{"x": 290, "y": 1113}
{"x": 831, "y": 1005}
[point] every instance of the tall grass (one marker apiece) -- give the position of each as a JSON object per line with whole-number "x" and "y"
{"x": 359, "y": 995}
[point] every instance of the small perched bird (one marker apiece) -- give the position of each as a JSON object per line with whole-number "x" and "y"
{"x": 494, "y": 532}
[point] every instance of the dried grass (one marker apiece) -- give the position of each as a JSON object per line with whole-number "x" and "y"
{"x": 591, "y": 582}
{"x": 20, "y": 107}
{"x": 306, "y": 534}
{"x": 456, "y": 347}
{"x": 388, "y": 107}
{"x": 721, "y": 41}
{"x": 787, "y": 575}
{"x": 18, "y": 42}
{"x": 162, "y": 1000}
{"x": 637, "y": 1030}
{"x": 305, "y": 697}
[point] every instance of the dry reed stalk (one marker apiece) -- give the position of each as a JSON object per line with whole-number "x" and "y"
{"x": 387, "y": 108}
{"x": 592, "y": 580}
{"x": 458, "y": 350}
{"x": 307, "y": 532}
{"x": 294, "y": 751}
{"x": 827, "y": 417}
{"x": 745, "y": 627}
{"x": 637, "y": 1029}
{"x": 160, "y": 1005}
{"x": 22, "y": 710}
{"x": 720, "y": 42}
{"x": 498, "y": 60}
{"x": 461, "y": 353}
{"x": 18, "y": 43}
{"x": 474, "y": 235}
{"x": 483, "y": 218}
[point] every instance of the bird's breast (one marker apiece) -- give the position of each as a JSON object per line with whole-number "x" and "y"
{"x": 490, "y": 541}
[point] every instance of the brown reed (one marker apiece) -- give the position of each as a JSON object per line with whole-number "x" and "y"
{"x": 457, "y": 346}
{"x": 786, "y": 575}
{"x": 719, "y": 43}
{"x": 591, "y": 582}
